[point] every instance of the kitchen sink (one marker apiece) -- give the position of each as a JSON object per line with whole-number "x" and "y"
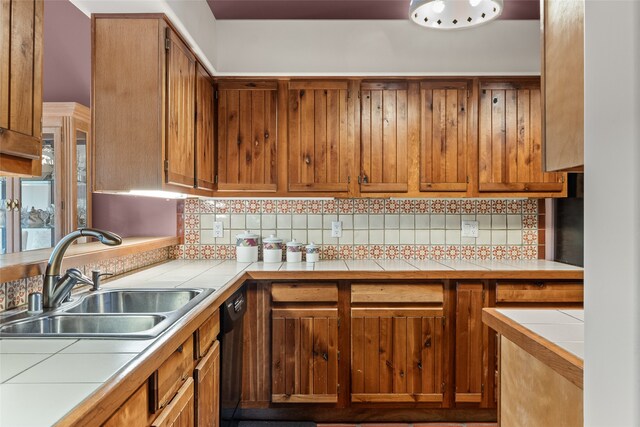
{"x": 111, "y": 313}
{"x": 80, "y": 325}
{"x": 134, "y": 301}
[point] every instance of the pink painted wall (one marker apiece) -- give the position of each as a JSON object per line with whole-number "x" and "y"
{"x": 67, "y": 53}
{"x": 131, "y": 216}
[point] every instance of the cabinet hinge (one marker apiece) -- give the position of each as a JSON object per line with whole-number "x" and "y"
{"x": 166, "y": 165}
{"x": 348, "y": 179}
{"x": 215, "y": 179}
{"x": 562, "y": 178}
{"x": 442, "y": 387}
{"x": 468, "y": 179}
{"x": 338, "y": 356}
{"x": 482, "y": 389}
{"x": 216, "y": 94}
{"x": 338, "y": 389}
{"x": 167, "y": 43}
{"x": 468, "y": 93}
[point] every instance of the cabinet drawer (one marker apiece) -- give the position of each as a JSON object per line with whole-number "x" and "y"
{"x": 397, "y": 293}
{"x": 172, "y": 373}
{"x": 539, "y": 292}
{"x": 208, "y": 333}
{"x": 304, "y": 292}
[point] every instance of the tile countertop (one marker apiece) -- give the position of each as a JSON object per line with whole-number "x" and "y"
{"x": 55, "y": 375}
{"x": 553, "y": 336}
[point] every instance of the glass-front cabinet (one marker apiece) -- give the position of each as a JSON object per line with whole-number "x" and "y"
{"x": 36, "y": 212}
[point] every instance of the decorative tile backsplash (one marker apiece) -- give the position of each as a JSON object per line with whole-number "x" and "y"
{"x": 14, "y": 294}
{"x": 371, "y": 228}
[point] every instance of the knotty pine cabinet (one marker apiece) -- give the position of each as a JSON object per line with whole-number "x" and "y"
{"x": 21, "y": 53}
{"x": 247, "y": 136}
{"x": 417, "y": 346}
{"x": 185, "y": 388}
{"x": 388, "y": 115}
{"x": 151, "y": 107}
{"x": 205, "y": 131}
{"x": 444, "y": 136}
{"x": 398, "y": 343}
{"x": 304, "y": 334}
{"x": 320, "y": 131}
{"x": 471, "y": 343}
{"x": 181, "y": 79}
{"x": 510, "y": 141}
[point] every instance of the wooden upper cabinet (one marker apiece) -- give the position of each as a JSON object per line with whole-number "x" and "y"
{"x": 152, "y": 108}
{"x": 562, "y": 25}
{"x": 510, "y": 140}
{"x": 181, "y": 73}
{"x": 21, "y": 26}
{"x": 385, "y": 136}
{"x": 204, "y": 131}
{"x": 247, "y": 136}
{"x": 319, "y": 125}
{"x": 444, "y": 136}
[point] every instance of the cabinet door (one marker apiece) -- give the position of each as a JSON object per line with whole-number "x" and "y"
{"x": 443, "y": 139}
{"x": 384, "y": 137}
{"x": 205, "y": 130}
{"x": 247, "y": 136}
{"x": 134, "y": 412}
{"x": 21, "y": 24}
{"x": 304, "y": 355}
{"x": 471, "y": 337}
{"x": 319, "y": 155}
{"x": 207, "y": 380}
{"x": 180, "y": 411}
{"x": 510, "y": 140}
{"x": 562, "y": 25}
{"x": 181, "y": 72}
{"x": 397, "y": 355}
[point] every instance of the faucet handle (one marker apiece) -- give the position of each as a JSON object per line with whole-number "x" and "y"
{"x": 96, "y": 275}
{"x": 79, "y": 276}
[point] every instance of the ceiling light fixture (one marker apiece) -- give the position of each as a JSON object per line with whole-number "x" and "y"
{"x": 454, "y": 14}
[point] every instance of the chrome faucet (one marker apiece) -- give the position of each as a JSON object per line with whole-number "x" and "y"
{"x": 56, "y": 289}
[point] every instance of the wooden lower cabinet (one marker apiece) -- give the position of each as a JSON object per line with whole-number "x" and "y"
{"x": 180, "y": 411}
{"x": 177, "y": 393}
{"x": 471, "y": 343}
{"x": 207, "y": 392}
{"x": 397, "y": 355}
{"x": 134, "y": 412}
{"x": 304, "y": 355}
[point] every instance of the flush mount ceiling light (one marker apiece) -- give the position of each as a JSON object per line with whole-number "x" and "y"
{"x": 454, "y": 14}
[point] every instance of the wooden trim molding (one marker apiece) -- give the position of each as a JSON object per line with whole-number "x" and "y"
{"x": 19, "y": 265}
{"x": 560, "y": 360}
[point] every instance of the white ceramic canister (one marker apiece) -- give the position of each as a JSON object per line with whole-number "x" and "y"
{"x": 247, "y": 247}
{"x": 272, "y": 249}
{"x": 313, "y": 252}
{"x": 294, "y": 251}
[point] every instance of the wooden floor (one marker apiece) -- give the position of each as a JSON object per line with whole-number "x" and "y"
{"x": 412, "y": 425}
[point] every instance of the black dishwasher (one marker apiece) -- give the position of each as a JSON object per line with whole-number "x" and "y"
{"x": 231, "y": 358}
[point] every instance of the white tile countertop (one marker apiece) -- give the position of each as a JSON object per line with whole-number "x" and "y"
{"x": 55, "y": 375}
{"x": 564, "y": 328}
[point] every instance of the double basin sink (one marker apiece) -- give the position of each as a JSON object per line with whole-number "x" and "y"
{"x": 111, "y": 313}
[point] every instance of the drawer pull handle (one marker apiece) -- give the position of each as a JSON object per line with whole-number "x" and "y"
{"x": 180, "y": 349}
